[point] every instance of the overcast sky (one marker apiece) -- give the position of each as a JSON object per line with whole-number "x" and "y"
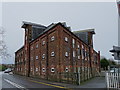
{"x": 102, "y": 16}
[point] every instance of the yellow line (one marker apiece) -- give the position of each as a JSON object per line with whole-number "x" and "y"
{"x": 48, "y": 84}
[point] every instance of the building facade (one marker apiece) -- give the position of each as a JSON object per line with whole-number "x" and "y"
{"x": 56, "y": 53}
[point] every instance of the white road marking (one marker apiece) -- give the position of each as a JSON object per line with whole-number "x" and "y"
{"x": 16, "y": 85}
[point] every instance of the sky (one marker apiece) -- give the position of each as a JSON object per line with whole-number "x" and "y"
{"x": 102, "y": 16}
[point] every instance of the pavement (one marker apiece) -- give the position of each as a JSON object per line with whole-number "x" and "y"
{"x": 18, "y": 82}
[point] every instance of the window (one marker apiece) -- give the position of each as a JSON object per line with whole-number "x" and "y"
{"x": 66, "y": 69}
{"x": 43, "y": 70}
{"x": 66, "y": 54}
{"x": 52, "y": 70}
{"x": 43, "y": 56}
{"x": 78, "y": 46}
{"x": 73, "y": 42}
{"x": 36, "y": 57}
{"x": 36, "y": 69}
{"x": 66, "y": 39}
{"x": 31, "y": 58}
{"x": 85, "y": 55}
{"x": 73, "y": 53}
{"x": 82, "y": 52}
{"x": 31, "y": 69}
{"x": 52, "y": 53}
{"x": 37, "y": 46}
{"x": 78, "y": 57}
{"x": 43, "y": 43}
{"x": 52, "y": 38}
{"x": 25, "y": 37}
{"x": 79, "y": 51}
{"x": 31, "y": 48}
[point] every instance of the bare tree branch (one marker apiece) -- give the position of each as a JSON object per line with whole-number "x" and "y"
{"x": 3, "y": 48}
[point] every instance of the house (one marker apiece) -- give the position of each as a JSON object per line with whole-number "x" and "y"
{"x": 56, "y": 53}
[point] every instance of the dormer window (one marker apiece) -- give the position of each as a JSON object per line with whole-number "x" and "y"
{"x": 52, "y": 53}
{"x": 66, "y": 39}
{"x": 52, "y": 38}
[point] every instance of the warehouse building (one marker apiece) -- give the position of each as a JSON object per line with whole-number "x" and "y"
{"x": 56, "y": 53}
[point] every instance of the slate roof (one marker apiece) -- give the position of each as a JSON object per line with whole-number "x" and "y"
{"x": 41, "y": 29}
{"x": 83, "y": 34}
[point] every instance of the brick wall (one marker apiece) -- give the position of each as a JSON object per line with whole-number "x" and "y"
{"x": 55, "y": 52}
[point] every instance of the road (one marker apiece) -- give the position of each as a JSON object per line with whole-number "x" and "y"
{"x": 18, "y": 82}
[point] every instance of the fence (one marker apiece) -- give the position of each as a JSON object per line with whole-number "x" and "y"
{"x": 113, "y": 80}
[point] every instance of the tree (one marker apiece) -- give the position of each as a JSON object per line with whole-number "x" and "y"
{"x": 3, "y": 48}
{"x": 111, "y": 62}
{"x": 104, "y": 63}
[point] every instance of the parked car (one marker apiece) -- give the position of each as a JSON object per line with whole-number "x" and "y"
{"x": 8, "y": 70}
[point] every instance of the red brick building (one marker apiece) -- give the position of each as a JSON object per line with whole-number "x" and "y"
{"x": 56, "y": 53}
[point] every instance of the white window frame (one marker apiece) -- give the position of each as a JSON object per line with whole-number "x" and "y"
{"x": 66, "y": 69}
{"x": 66, "y": 39}
{"x": 53, "y": 54}
{"x": 26, "y": 37}
{"x": 37, "y": 46}
{"x": 66, "y": 54}
{"x": 31, "y": 48}
{"x": 36, "y": 57}
{"x": 43, "y": 70}
{"x": 73, "y": 53}
{"x": 31, "y": 68}
{"x": 78, "y": 57}
{"x": 43, "y": 42}
{"x": 31, "y": 58}
{"x": 36, "y": 69}
{"x": 73, "y": 42}
{"x": 52, "y": 69}
{"x": 43, "y": 56}
{"x": 52, "y": 38}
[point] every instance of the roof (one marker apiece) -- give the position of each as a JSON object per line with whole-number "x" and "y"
{"x": 29, "y": 23}
{"x": 83, "y": 34}
{"x": 118, "y": 2}
{"x": 52, "y": 26}
{"x": 115, "y": 49}
{"x": 87, "y": 30}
